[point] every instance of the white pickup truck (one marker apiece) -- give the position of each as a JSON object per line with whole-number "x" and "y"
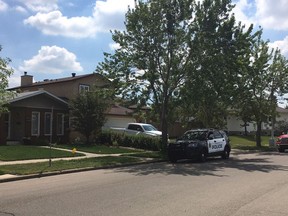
{"x": 140, "y": 128}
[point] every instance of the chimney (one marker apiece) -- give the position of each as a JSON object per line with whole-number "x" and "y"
{"x": 73, "y": 74}
{"x": 26, "y": 80}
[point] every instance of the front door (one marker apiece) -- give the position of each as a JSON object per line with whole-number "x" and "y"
{"x": 216, "y": 142}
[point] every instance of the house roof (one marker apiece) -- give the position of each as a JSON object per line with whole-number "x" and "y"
{"x": 281, "y": 110}
{"x": 66, "y": 79}
{"x": 119, "y": 110}
{"x": 25, "y": 95}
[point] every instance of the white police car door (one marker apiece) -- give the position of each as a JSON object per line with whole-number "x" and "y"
{"x": 216, "y": 142}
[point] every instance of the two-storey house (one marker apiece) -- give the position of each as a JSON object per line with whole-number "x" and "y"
{"x": 39, "y": 111}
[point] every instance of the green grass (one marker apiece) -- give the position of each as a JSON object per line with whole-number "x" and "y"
{"x": 249, "y": 143}
{"x": 19, "y": 152}
{"x": 156, "y": 155}
{"x": 99, "y": 149}
{"x": 35, "y": 168}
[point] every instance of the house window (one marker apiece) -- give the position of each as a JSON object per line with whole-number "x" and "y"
{"x": 48, "y": 123}
{"x": 60, "y": 124}
{"x": 7, "y": 118}
{"x": 35, "y": 124}
{"x": 83, "y": 88}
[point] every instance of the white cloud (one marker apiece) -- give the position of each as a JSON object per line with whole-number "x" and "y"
{"x": 15, "y": 79}
{"x": 20, "y": 9}
{"x": 241, "y": 7}
{"x": 282, "y": 45}
{"x": 272, "y": 14}
{"x": 114, "y": 46}
{"x": 106, "y": 16}
{"x": 3, "y": 6}
{"x": 269, "y": 14}
{"x": 52, "y": 60}
{"x": 110, "y": 14}
{"x": 40, "y": 5}
{"x": 54, "y": 23}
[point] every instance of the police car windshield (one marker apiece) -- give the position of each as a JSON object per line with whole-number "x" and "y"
{"x": 195, "y": 135}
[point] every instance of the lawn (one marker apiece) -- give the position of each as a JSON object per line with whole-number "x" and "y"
{"x": 249, "y": 143}
{"x": 100, "y": 149}
{"x": 37, "y": 168}
{"x": 20, "y": 152}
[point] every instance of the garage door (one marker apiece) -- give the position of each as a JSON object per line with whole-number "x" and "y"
{"x": 118, "y": 122}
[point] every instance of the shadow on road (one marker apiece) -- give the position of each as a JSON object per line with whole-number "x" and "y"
{"x": 213, "y": 166}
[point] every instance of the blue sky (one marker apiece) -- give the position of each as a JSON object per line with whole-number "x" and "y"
{"x": 52, "y": 39}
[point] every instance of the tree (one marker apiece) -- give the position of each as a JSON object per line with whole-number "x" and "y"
{"x": 220, "y": 48}
{"x": 262, "y": 78}
{"x": 176, "y": 53}
{"x": 88, "y": 112}
{"x": 154, "y": 54}
{"x": 5, "y": 72}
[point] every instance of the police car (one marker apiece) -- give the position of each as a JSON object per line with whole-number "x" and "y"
{"x": 199, "y": 144}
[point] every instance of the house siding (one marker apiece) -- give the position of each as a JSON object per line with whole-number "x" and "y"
{"x": 3, "y": 134}
{"x": 66, "y": 89}
{"x": 21, "y": 123}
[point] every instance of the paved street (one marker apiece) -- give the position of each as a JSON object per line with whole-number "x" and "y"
{"x": 247, "y": 184}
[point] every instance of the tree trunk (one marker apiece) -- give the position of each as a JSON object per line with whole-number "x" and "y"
{"x": 87, "y": 139}
{"x": 164, "y": 125}
{"x": 258, "y": 133}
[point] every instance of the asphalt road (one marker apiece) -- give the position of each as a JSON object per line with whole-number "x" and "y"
{"x": 246, "y": 184}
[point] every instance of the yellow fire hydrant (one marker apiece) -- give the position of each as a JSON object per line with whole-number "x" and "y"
{"x": 74, "y": 151}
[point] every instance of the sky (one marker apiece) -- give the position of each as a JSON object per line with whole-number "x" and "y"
{"x": 53, "y": 38}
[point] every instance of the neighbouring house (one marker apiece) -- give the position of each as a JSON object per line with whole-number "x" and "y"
{"x": 30, "y": 118}
{"x": 236, "y": 126}
{"x": 36, "y": 104}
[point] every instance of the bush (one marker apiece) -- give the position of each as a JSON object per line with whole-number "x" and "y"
{"x": 36, "y": 141}
{"x": 133, "y": 141}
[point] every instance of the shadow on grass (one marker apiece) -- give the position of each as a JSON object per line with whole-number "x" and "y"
{"x": 213, "y": 167}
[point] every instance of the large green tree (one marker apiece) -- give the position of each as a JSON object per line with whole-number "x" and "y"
{"x": 5, "y": 72}
{"x": 263, "y": 77}
{"x": 88, "y": 112}
{"x": 219, "y": 46}
{"x": 154, "y": 55}
{"x": 177, "y": 53}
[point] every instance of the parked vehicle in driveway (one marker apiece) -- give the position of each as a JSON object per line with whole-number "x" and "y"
{"x": 200, "y": 144}
{"x": 282, "y": 142}
{"x": 140, "y": 129}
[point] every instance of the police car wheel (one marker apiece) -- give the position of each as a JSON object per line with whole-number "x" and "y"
{"x": 203, "y": 156}
{"x": 173, "y": 160}
{"x": 226, "y": 153}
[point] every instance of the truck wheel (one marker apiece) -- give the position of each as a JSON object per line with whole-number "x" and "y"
{"x": 281, "y": 149}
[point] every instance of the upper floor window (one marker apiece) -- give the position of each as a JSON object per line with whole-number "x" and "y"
{"x": 83, "y": 88}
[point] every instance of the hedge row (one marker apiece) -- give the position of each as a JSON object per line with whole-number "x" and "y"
{"x": 134, "y": 141}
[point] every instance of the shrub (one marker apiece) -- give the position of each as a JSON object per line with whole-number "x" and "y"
{"x": 133, "y": 141}
{"x": 37, "y": 141}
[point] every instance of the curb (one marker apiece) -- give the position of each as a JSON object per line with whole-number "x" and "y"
{"x": 47, "y": 174}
